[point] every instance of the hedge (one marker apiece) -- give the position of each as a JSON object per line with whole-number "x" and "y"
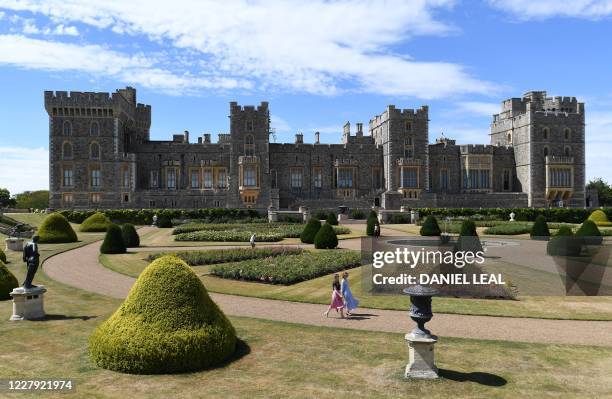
{"x": 560, "y": 215}
{"x": 242, "y": 232}
{"x": 164, "y": 221}
{"x": 513, "y": 228}
{"x": 130, "y": 236}
{"x": 371, "y": 222}
{"x": 358, "y": 214}
{"x": 214, "y": 256}
{"x": 539, "y": 230}
{"x": 98, "y": 222}
{"x": 332, "y": 219}
{"x": 56, "y": 229}
{"x": 113, "y": 241}
{"x": 326, "y": 238}
{"x": 145, "y": 216}
{"x": 430, "y": 227}
{"x": 288, "y": 269}
{"x": 8, "y": 281}
{"x": 229, "y": 236}
{"x": 310, "y": 231}
{"x": 167, "y": 324}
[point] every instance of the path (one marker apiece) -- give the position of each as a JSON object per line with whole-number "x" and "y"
{"x": 80, "y": 268}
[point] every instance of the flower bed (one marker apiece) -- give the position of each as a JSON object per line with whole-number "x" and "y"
{"x": 242, "y": 232}
{"x": 213, "y": 256}
{"x": 230, "y": 236}
{"x": 288, "y": 269}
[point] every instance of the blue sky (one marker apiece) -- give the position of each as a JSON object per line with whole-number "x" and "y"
{"x": 318, "y": 63}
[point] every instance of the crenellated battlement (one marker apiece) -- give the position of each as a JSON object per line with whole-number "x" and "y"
{"x": 396, "y": 113}
{"x": 237, "y": 109}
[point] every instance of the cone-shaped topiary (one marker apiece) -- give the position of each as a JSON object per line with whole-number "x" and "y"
{"x": 326, "y": 237}
{"x": 55, "y": 229}
{"x": 372, "y": 220}
{"x": 97, "y": 222}
{"x": 167, "y": 324}
{"x": 2, "y": 256}
{"x": 310, "y": 231}
{"x": 589, "y": 233}
{"x": 468, "y": 238}
{"x": 430, "y": 227}
{"x": 539, "y": 230}
{"x": 164, "y": 221}
{"x": 113, "y": 241}
{"x": 564, "y": 243}
{"x": 130, "y": 236}
{"x": 8, "y": 281}
{"x": 600, "y": 218}
{"x": 332, "y": 219}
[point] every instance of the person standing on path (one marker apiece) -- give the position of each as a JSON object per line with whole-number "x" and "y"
{"x": 336, "y": 299}
{"x": 350, "y": 302}
{"x": 252, "y": 241}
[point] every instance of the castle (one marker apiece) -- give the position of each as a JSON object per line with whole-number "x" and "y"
{"x": 101, "y": 156}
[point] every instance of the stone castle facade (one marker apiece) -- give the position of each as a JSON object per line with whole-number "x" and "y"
{"x": 101, "y": 156}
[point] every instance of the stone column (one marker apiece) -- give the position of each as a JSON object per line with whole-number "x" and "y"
{"x": 28, "y": 303}
{"x": 421, "y": 356}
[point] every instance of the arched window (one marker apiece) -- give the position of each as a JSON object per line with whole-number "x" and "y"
{"x": 67, "y": 129}
{"x": 568, "y": 151}
{"x": 509, "y": 138}
{"x": 94, "y": 151}
{"x": 545, "y": 133}
{"x": 545, "y": 151}
{"x": 249, "y": 145}
{"x": 94, "y": 129}
{"x": 67, "y": 150}
{"x": 567, "y": 133}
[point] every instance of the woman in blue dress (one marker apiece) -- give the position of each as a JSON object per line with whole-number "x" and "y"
{"x": 350, "y": 302}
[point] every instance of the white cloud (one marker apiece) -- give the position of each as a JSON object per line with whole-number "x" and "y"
{"x": 24, "y": 169}
{"x": 318, "y": 47}
{"x": 542, "y": 9}
{"x": 479, "y": 108}
{"x": 279, "y": 124}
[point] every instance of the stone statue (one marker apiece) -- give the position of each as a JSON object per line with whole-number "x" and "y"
{"x": 31, "y": 258}
{"x": 512, "y": 215}
{"x": 154, "y": 220}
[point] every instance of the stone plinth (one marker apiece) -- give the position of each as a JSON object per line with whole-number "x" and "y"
{"x": 342, "y": 217}
{"x": 421, "y": 356}
{"x": 28, "y": 303}
{"x": 14, "y": 244}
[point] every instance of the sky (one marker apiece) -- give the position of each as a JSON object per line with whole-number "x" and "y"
{"x": 318, "y": 63}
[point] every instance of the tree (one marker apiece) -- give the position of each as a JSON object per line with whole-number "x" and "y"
{"x": 5, "y": 198}
{"x": 604, "y": 191}
{"x": 32, "y": 199}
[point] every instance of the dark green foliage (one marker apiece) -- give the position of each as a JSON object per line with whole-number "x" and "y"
{"x": 371, "y": 223}
{"x": 589, "y": 233}
{"x": 357, "y": 214}
{"x": 167, "y": 324}
{"x": 32, "y": 199}
{"x": 326, "y": 238}
{"x": 8, "y": 281}
{"x": 539, "y": 230}
{"x": 56, "y": 229}
{"x": 268, "y": 232}
{"x": 130, "y": 236}
{"x": 213, "y": 256}
{"x": 468, "y": 238}
{"x": 145, "y": 216}
{"x": 430, "y": 227}
{"x": 2, "y": 256}
{"x": 332, "y": 219}
{"x": 604, "y": 191}
{"x": 512, "y": 228}
{"x": 310, "y": 231}
{"x": 288, "y": 269}
{"x": 320, "y": 214}
{"x": 600, "y": 218}
{"x": 564, "y": 243}
{"x": 113, "y": 241}
{"x": 97, "y": 222}
{"x": 164, "y": 221}
{"x": 399, "y": 219}
{"x": 5, "y": 198}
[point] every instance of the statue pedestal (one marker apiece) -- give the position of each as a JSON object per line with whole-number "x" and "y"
{"x": 14, "y": 244}
{"x": 28, "y": 303}
{"x": 421, "y": 355}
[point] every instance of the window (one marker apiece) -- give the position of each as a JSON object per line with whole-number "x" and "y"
{"x": 545, "y": 133}
{"x": 249, "y": 179}
{"x": 94, "y": 129}
{"x": 444, "y": 179}
{"x": 345, "y": 177}
{"x": 545, "y": 151}
{"x": 208, "y": 178}
{"x": 485, "y": 181}
{"x": 195, "y": 178}
{"x": 377, "y": 179}
{"x": 567, "y": 133}
{"x": 249, "y": 126}
{"x": 296, "y": 178}
{"x": 249, "y": 145}
{"x": 506, "y": 180}
{"x": 409, "y": 177}
{"x": 126, "y": 178}
{"x": 477, "y": 179}
{"x": 568, "y": 151}
{"x": 154, "y": 179}
{"x": 67, "y": 177}
{"x": 151, "y": 204}
{"x": 67, "y": 198}
{"x": 95, "y": 198}
{"x": 408, "y": 148}
{"x": 408, "y": 126}
{"x": 94, "y": 151}
{"x": 125, "y": 197}
{"x": 317, "y": 178}
{"x": 95, "y": 178}
{"x": 560, "y": 177}
{"x": 509, "y": 138}
{"x": 67, "y": 129}
{"x": 67, "y": 150}
{"x": 171, "y": 178}
{"x": 222, "y": 178}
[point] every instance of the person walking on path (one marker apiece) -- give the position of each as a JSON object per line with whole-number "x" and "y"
{"x": 377, "y": 230}
{"x": 252, "y": 241}
{"x": 336, "y": 299}
{"x": 350, "y": 302}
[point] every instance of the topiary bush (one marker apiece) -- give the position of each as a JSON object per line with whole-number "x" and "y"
{"x": 8, "y": 281}
{"x": 130, "y": 236}
{"x": 326, "y": 238}
{"x": 97, "y": 222}
{"x": 357, "y": 214}
{"x": 430, "y": 227}
{"x": 564, "y": 243}
{"x": 468, "y": 238}
{"x": 167, "y": 324}
{"x": 372, "y": 220}
{"x": 310, "y": 231}
{"x": 164, "y": 221}
{"x": 332, "y": 219}
{"x": 2, "y": 256}
{"x": 600, "y": 218}
{"x": 539, "y": 230}
{"x": 589, "y": 233}
{"x": 56, "y": 229}
{"x": 113, "y": 241}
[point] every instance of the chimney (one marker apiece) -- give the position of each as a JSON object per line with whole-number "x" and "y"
{"x": 317, "y": 137}
{"x": 206, "y": 138}
{"x": 199, "y": 140}
{"x": 299, "y": 138}
{"x": 360, "y": 129}
{"x": 186, "y": 134}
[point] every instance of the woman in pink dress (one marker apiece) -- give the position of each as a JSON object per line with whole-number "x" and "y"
{"x": 336, "y": 300}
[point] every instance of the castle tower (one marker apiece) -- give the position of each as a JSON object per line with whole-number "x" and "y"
{"x": 547, "y": 134}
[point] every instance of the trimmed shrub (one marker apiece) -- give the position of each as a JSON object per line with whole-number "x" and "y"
{"x": 326, "y": 238}
{"x": 56, "y": 229}
{"x": 564, "y": 243}
{"x": 229, "y": 236}
{"x": 113, "y": 241}
{"x": 95, "y": 223}
{"x": 600, "y": 218}
{"x": 214, "y": 256}
{"x": 164, "y": 221}
{"x": 2, "y": 256}
{"x": 310, "y": 231}
{"x": 468, "y": 238}
{"x": 372, "y": 220}
{"x": 509, "y": 228}
{"x": 332, "y": 219}
{"x": 320, "y": 214}
{"x": 167, "y": 324}
{"x": 8, "y": 281}
{"x": 399, "y": 219}
{"x": 130, "y": 236}
{"x": 589, "y": 233}
{"x": 430, "y": 227}
{"x": 357, "y": 214}
{"x": 540, "y": 228}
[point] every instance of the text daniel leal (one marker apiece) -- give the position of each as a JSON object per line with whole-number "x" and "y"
{"x": 458, "y": 278}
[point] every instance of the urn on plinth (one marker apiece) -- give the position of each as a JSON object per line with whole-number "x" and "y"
{"x": 28, "y": 303}
{"x": 420, "y": 340}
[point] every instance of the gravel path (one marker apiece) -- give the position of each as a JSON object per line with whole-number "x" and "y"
{"x": 80, "y": 268}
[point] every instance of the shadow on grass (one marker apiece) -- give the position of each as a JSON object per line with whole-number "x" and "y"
{"x": 51, "y": 317}
{"x": 242, "y": 349}
{"x": 481, "y": 378}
